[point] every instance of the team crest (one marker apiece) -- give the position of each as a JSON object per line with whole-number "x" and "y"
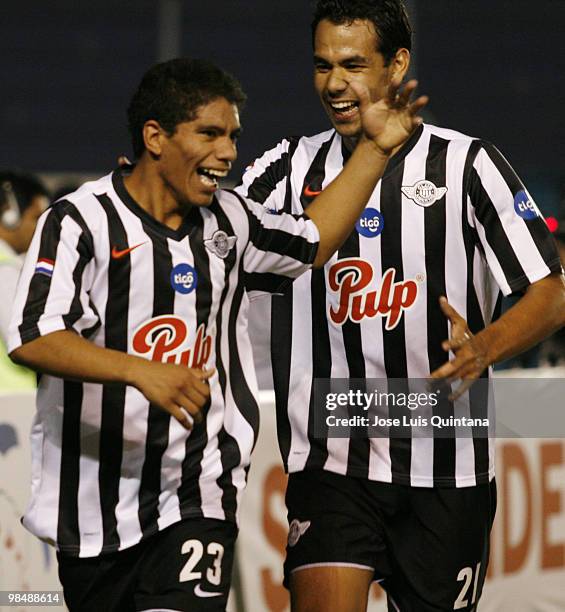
{"x": 296, "y": 530}
{"x": 424, "y": 193}
{"x": 220, "y": 244}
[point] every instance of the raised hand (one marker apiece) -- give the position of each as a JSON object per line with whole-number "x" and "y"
{"x": 180, "y": 391}
{"x": 391, "y": 120}
{"x": 470, "y": 353}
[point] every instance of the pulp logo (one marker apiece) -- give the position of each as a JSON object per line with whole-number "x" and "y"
{"x": 184, "y": 278}
{"x": 163, "y": 339}
{"x": 371, "y": 223}
{"x": 350, "y": 278}
{"x": 524, "y": 206}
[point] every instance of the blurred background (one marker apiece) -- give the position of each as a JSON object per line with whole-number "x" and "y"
{"x": 492, "y": 68}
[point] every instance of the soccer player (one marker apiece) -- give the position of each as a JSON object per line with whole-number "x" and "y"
{"x": 412, "y": 293}
{"x": 133, "y": 303}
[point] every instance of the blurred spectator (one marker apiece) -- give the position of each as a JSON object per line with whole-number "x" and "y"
{"x": 22, "y": 200}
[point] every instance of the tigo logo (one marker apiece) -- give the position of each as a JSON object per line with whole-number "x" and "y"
{"x": 524, "y": 206}
{"x": 371, "y": 223}
{"x": 184, "y": 278}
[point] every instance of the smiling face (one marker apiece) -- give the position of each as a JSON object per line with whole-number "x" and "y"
{"x": 348, "y": 52}
{"x": 199, "y": 153}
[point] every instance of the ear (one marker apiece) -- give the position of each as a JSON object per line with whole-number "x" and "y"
{"x": 399, "y": 64}
{"x": 153, "y": 137}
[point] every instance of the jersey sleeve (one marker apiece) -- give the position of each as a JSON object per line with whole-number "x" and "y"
{"x": 281, "y": 247}
{"x": 53, "y": 290}
{"x": 514, "y": 237}
{"x": 265, "y": 180}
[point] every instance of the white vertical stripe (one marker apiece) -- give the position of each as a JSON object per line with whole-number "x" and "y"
{"x": 416, "y": 317}
{"x": 88, "y": 497}
{"x": 301, "y": 372}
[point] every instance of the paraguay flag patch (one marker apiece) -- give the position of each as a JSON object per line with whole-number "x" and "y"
{"x": 44, "y": 266}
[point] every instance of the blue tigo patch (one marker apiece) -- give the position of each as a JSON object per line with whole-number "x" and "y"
{"x": 371, "y": 223}
{"x": 524, "y": 206}
{"x": 184, "y": 278}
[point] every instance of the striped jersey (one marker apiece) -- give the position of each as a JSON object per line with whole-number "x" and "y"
{"x": 449, "y": 217}
{"x": 108, "y": 468}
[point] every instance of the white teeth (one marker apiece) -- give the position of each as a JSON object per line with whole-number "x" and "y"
{"x": 208, "y": 181}
{"x": 212, "y": 171}
{"x": 342, "y": 105}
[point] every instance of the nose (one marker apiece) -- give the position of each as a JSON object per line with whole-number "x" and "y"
{"x": 337, "y": 81}
{"x": 226, "y": 150}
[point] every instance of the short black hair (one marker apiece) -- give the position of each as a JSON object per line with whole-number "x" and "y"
{"x": 23, "y": 185}
{"x": 389, "y": 17}
{"x": 171, "y": 92}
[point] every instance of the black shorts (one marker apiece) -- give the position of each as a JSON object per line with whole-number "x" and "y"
{"x": 428, "y": 548}
{"x": 187, "y": 566}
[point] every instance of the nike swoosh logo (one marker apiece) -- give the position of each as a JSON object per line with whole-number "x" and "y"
{"x": 116, "y": 254}
{"x": 311, "y": 194}
{"x": 200, "y": 593}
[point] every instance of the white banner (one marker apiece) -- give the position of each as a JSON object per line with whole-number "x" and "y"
{"x": 527, "y": 567}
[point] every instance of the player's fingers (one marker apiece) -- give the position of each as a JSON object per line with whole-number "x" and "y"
{"x": 418, "y": 104}
{"x": 458, "y": 339}
{"x": 362, "y": 93}
{"x": 190, "y": 407}
{"x": 405, "y": 94}
{"x": 123, "y": 161}
{"x": 449, "y": 311}
{"x": 202, "y": 374}
{"x": 181, "y": 415}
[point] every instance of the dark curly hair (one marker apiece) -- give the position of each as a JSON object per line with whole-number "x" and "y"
{"x": 388, "y": 16}
{"x": 171, "y": 93}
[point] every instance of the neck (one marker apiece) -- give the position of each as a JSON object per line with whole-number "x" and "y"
{"x": 350, "y": 143}
{"x": 148, "y": 188}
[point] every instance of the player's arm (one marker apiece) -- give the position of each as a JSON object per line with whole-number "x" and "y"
{"x": 387, "y": 124}
{"x": 538, "y": 314}
{"x": 67, "y": 355}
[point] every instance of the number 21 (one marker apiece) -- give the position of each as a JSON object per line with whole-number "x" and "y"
{"x": 466, "y": 574}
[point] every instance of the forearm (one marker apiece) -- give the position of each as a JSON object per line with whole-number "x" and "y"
{"x": 538, "y": 314}
{"x": 67, "y": 355}
{"x": 336, "y": 210}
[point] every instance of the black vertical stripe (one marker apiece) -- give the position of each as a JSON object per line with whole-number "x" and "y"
{"x": 435, "y": 234}
{"x": 486, "y": 213}
{"x": 113, "y": 396}
{"x": 67, "y": 522}
{"x": 359, "y": 446}
{"x": 394, "y": 340}
{"x": 189, "y": 491}
{"x": 475, "y": 319}
{"x": 158, "y": 421}
{"x": 321, "y": 349}
{"x": 281, "y": 341}
{"x": 40, "y": 284}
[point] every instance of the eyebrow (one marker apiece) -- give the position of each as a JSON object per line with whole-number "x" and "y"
{"x": 360, "y": 59}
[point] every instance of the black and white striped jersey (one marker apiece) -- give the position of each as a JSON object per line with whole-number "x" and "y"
{"x": 449, "y": 217}
{"x": 109, "y": 468}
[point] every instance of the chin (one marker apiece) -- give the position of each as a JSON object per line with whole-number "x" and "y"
{"x": 347, "y": 129}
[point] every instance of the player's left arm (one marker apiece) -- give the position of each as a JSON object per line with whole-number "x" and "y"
{"x": 522, "y": 257}
{"x": 538, "y": 314}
